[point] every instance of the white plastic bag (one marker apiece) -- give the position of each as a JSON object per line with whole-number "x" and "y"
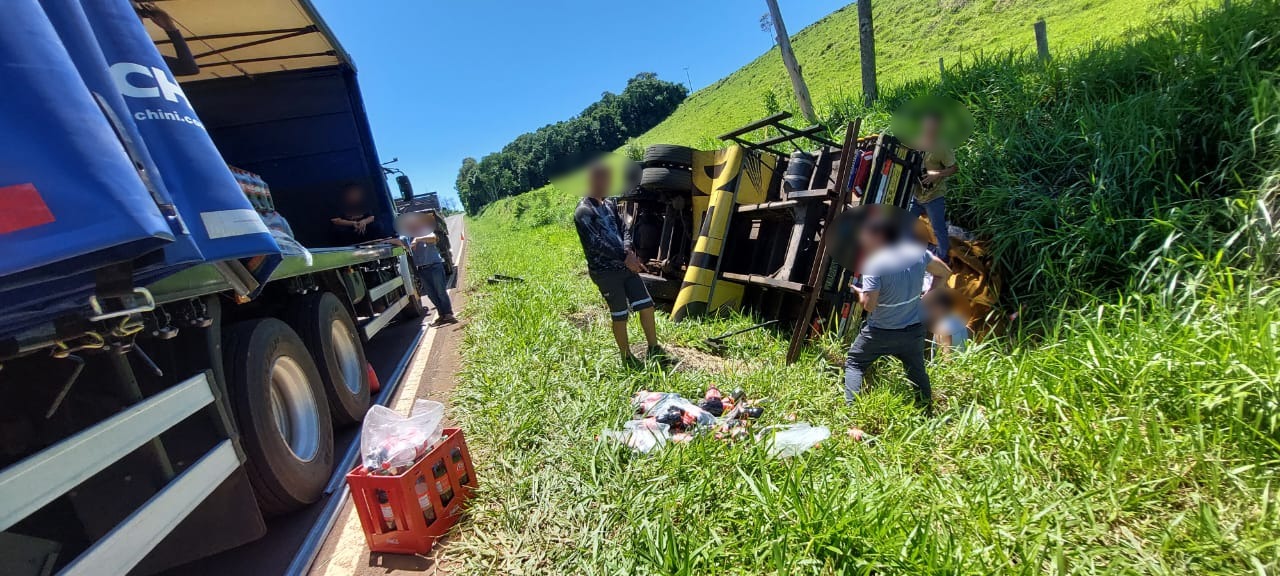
{"x": 787, "y": 441}
{"x": 638, "y": 436}
{"x": 389, "y": 442}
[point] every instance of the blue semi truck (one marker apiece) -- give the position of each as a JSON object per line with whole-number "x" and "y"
{"x": 171, "y": 376}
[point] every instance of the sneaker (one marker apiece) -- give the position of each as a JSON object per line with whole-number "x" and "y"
{"x": 443, "y": 321}
{"x": 632, "y": 363}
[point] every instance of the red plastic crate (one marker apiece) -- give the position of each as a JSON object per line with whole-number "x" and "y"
{"x": 399, "y": 525}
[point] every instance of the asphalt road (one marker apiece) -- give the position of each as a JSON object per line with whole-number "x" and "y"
{"x": 389, "y": 353}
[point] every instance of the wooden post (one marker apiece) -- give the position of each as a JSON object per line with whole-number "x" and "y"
{"x": 867, "y": 45}
{"x": 942, "y": 68}
{"x": 789, "y": 60}
{"x": 1042, "y": 41}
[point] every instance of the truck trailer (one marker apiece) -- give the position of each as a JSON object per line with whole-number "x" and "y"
{"x": 161, "y": 401}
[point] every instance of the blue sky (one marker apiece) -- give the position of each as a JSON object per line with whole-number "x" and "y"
{"x": 444, "y": 80}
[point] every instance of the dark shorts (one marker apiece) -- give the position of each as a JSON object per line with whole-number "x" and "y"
{"x": 623, "y": 291}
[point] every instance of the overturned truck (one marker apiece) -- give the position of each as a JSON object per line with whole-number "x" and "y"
{"x": 745, "y": 227}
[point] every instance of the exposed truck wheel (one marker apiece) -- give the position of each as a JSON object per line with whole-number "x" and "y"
{"x": 667, "y": 154}
{"x": 334, "y": 341}
{"x": 666, "y": 180}
{"x": 279, "y": 407}
{"x": 415, "y": 310}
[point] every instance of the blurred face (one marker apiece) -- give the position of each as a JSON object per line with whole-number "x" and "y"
{"x": 929, "y": 131}
{"x": 353, "y": 196}
{"x": 869, "y": 240}
{"x": 420, "y": 224}
{"x": 598, "y": 181}
{"x": 933, "y": 309}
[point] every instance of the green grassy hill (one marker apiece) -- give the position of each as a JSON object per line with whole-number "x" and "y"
{"x": 910, "y": 37}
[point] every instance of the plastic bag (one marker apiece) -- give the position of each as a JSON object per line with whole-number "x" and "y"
{"x": 793, "y": 439}
{"x": 657, "y": 404}
{"x": 390, "y": 443}
{"x": 640, "y": 435}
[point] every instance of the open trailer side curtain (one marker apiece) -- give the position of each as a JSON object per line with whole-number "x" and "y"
{"x": 223, "y": 222}
{"x": 70, "y": 198}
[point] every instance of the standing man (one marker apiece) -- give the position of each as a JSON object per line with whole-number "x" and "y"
{"x": 939, "y": 165}
{"x": 892, "y": 282}
{"x": 612, "y": 264}
{"x": 420, "y": 229}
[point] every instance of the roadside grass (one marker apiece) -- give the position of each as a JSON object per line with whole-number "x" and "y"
{"x": 910, "y": 37}
{"x": 1131, "y": 437}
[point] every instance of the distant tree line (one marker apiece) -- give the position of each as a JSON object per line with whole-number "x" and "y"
{"x": 533, "y": 158}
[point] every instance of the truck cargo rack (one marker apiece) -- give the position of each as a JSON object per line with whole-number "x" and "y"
{"x": 786, "y": 134}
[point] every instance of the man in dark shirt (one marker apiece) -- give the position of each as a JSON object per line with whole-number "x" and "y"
{"x": 612, "y": 265}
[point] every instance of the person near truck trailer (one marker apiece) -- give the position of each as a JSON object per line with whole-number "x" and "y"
{"x": 939, "y": 166}
{"x": 356, "y": 224}
{"x": 183, "y": 63}
{"x": 892, "y": 277}
{"x": 611, "y": 263}
{"x": 950, "y": 330}
{"x": 423, "y": 241}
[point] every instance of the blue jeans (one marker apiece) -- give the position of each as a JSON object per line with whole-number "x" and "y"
{"x": 433, "y": 284}
{"x": 936, "y": 210}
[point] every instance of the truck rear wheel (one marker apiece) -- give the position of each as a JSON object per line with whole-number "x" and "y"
{"x": 331, "y": 335}
{"x": 278, "y": 403}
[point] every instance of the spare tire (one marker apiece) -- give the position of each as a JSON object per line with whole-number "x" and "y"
{"x": 667, "y": 154}
{"x": 279, "y": 407}
{"x": 799, "y": 171}
{"x": 666, "y": 180}
{"x": 334, "y": 341}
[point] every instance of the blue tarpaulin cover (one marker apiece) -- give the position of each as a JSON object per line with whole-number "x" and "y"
{"x": 70, "y": 198}
{"x": 221, "y": 219}
{"x": 104, "y": 162}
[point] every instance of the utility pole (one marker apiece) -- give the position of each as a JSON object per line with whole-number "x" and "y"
{"x": 789, "y": 59}
{"x": 867, "y": 45}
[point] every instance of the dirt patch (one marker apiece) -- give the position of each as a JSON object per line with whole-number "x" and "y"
{"x": 682, "y": 359}
{"x": 587, "y": 318}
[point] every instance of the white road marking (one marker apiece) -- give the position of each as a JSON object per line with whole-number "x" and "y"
{"x": 350, "y": 548}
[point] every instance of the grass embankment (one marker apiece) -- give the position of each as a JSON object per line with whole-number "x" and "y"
{"x": 1134, "y": 432}
{"x": 910, "y": 37}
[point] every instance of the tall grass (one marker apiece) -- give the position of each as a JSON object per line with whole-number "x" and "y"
{"x": 1080, "y": 170}
{"x": 1134, "y": 428}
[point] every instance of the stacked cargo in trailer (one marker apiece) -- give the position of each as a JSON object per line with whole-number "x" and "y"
{"x": 170, "y": 375}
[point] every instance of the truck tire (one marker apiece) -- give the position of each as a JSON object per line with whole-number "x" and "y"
{"x": 275, "y": 395}
{"x": 666, "y": 180}
{"x": 415, "y": 310}
{"x": 668, "y": 155}
{"x": 334, "y": 341}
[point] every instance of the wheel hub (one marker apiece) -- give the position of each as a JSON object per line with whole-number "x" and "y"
{"x": 294, "y": 408}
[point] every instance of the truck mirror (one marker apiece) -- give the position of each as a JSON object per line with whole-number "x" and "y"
{"x": 406, "y": 188}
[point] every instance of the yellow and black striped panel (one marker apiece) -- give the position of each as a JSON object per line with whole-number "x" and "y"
{"x": 727, "y": 177}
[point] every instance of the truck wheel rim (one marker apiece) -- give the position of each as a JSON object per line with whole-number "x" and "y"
{"x": 344, "y": 348}
{"x": 293, "y": 407}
